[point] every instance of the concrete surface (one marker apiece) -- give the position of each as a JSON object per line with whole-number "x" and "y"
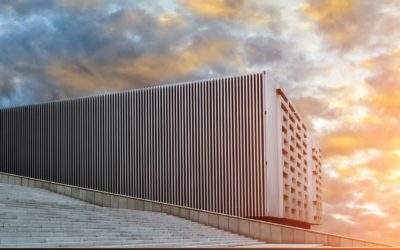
{"x": 33, "y": 217}
{"x": 262, "y": 231}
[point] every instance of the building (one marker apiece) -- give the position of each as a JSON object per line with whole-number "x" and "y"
{"x": 232, "y": 145}
{"x": 299, "y": 161}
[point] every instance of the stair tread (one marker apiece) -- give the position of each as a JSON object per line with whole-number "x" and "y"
{"x": 39, "y": 218}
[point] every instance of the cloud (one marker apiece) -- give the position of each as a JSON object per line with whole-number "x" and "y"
{"x": 361, "y": 157}
{"x": 80, "y": 47}
{"x": 22, "y": 8}
{"x": 385, "y": 82}
{"x": 85, "y": 76}
{"x": 314, "y": 106}
{"x": 359, "y": 202}
{"x": 7, "y": 89}
{"x": 378, "y": 127}
{"x": 216, "y": 9}
{"x": 67, "y": 55}
{"x": 350, "y": 24}
{"x": 273, "y": 50}
{"x": 338, "y": 18}
{"x": 87, "y": 5}
{"x": 247, "y": 12}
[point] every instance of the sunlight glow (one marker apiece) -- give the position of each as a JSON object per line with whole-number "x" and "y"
{"x": 373, "y": 209}
{"x": 344, "y": 218}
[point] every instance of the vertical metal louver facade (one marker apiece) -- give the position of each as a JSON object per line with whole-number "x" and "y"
{"x": 198, "y": 144}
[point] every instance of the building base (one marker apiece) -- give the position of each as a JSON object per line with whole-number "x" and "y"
{"x": 283, "y": 221}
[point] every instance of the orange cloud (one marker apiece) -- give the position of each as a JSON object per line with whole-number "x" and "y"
{"x": 355, "y": 24}
{"x": 364, "y": 189}
{"x": 330, "y": 12}
{"x": 361, "y": 194}
{"x": 215, "y": 8}
{"x": 385, "y": 83}
{"x": 376, "y": 131}
{"x": 171, "y": 20}
{"x": 249, "y": 12}
{"x": 336, "y": 17}
{"x": 343, "y": 143}
{"x": 84, "y": 76}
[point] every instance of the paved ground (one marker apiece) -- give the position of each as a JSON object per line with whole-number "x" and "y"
{"x": 32, "y": 217}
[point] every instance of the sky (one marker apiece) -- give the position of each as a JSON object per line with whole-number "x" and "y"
{"x": 338, "y": 60}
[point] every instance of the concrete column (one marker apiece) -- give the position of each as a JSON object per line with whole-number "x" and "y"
{"x": 122, "y": 202}
{"x": 98, "y": 198}
{"x": 234, "y": 225}
{"x": 90, "y": 196}
{"x": 139, "y": 205}
{"x": 223, "y": 222}
{"x": 255, "y": 231}
{"x": 114, "y": 201}
{"x": 287, "y": 235}
{"x": 82, "y": 195}
{"x": 25, "y": 182}
{"x": 276, "y": 234}
{"x": 310, "y": 238}
{"x": 299, "y": 236}
{"x": 213, "y": 220}
{"x": 148, "y": 206}
{"x": 194, "y": 215}
{"x": 67, "y": 191}
{"x": 156, "y": 207}
{"x": 265, "y": 232}
{"x": 203, "y": 218}
{"x": 106, "y": 200}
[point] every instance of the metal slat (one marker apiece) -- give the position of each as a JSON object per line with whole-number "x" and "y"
{"x": 253, "y": 192}
{"x": 246, "y": 166}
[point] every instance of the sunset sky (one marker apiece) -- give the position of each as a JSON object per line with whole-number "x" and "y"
{"x": 338, "y": 60}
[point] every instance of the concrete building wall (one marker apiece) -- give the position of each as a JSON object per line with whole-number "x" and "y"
{"x": 294, "y": 160}
{"x": 272, "y": 164}
{"x": 317, "y": 183}
{"x": 294, "y": 146}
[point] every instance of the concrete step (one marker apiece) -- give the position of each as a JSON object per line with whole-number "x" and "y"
{"x": 138, "y": 238}
{"x": 31, "y": 217}
{"x": 49, "y": 235}
{"x": 135, "y": 243}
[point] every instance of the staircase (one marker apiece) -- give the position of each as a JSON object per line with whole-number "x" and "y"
{"x": 32, "y": 217}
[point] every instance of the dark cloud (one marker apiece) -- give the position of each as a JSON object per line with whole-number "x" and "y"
{"x": 82, "y": 47}
{"x": 23, "y": 8}
{"x": 288, "y": 65}
{"x": 96, "y": 42}
{"x": 7, "y": 89}
{"x": 261, "y": 50}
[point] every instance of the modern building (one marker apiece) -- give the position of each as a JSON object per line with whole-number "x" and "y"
{"x": 299, "y": 161}
{"x": 233, "y": 145}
